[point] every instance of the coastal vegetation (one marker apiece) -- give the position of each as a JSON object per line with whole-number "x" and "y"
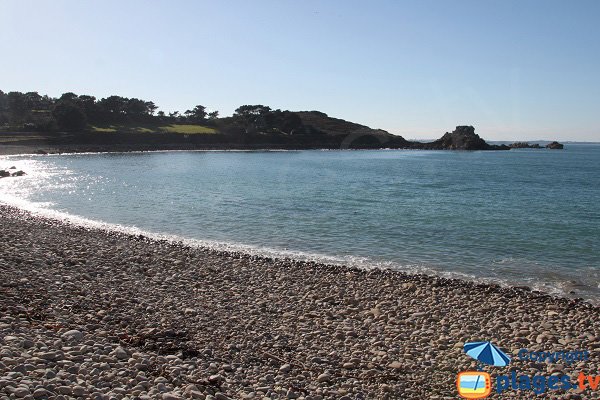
{"x": 188, "y": 129}
{"x": 84, "y": 113}
{"x": 75, "y": 122}
{"x": 71, "y": 112}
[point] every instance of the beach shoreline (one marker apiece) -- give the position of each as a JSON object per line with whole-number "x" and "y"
{"x": 201, "y": 322}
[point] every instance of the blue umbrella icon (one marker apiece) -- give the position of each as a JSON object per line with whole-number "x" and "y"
{"x": 487, "y": 353}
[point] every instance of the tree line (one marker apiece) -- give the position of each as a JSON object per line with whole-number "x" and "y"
{"x": 72, "y": 112}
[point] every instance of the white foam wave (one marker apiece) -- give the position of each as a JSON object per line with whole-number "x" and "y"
{"x": 558, "y": 288}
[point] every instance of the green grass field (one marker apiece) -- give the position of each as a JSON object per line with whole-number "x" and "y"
{"x": 185, "y": 129}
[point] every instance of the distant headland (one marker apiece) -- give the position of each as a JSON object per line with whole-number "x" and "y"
{"x": 30, "y": 122}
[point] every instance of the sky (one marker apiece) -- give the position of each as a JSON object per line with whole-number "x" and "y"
{"x": 516, "y": 70}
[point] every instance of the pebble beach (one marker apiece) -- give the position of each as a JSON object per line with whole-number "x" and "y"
{"x": 94, "y": 314}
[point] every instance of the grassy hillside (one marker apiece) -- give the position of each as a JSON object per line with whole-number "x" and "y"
{"x": 186, "y": 129}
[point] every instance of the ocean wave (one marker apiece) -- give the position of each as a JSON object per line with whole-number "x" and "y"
{"x": 53, "y": 176}
{"x": 560, "y": 286}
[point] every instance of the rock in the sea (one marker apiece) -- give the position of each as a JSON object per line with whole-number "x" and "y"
{"x": 6, "y": 173}
{"x": 555, "y": 146}
{"x": 462, "y": 138}
{"x": 524, "y": 145}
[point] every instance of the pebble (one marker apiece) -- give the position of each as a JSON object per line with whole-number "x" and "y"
{"x": 20, "y": 392}
{"x": 112, "y": 316}
{"x": 73, "y": 335}
{"x": 285, "y": 368}
{"x": 171, "y": 396}
{"x": 120, "y": 353}
{"x": 40, "y": 393}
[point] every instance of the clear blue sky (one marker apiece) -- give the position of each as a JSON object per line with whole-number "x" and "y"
{"x": 525, "y": 69}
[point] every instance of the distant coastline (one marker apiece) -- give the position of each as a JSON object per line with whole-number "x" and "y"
{"x": 462, "y": 138}
{"x": 31, "y": 123}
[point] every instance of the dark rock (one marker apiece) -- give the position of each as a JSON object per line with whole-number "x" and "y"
{"x": 462, "y": 138}
{"x": 4, "y": 173}
{"x": 555, "y": 146}
{"x": 18, "y": 173}
{"x": 524, "y": 145}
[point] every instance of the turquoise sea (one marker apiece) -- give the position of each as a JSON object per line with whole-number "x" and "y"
{"x": 524, "y": 217}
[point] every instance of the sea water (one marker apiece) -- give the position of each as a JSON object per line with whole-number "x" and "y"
{"x": 521, "y": 217}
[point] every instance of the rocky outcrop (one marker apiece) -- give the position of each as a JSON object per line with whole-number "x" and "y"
{"x": 462, "y": 138}
{"x": 555, "y": 146}
{"x": 6, "y": 174}
{"x": 524, "y": 145}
